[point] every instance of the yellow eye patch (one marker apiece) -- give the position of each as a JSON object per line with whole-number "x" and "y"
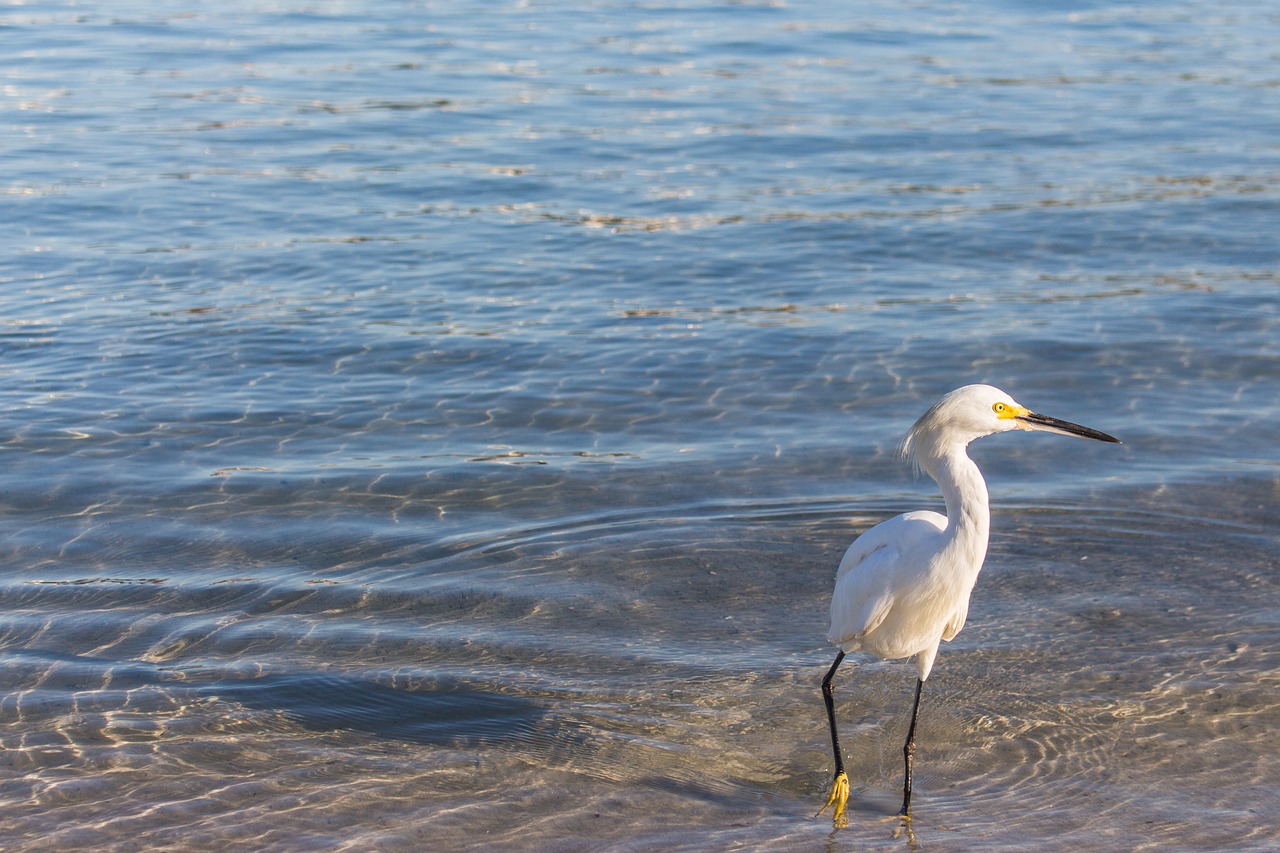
{"x": 1007, "y": 411}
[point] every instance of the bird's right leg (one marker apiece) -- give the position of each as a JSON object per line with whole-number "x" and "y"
{"x": 908, "y": 753}
{"x": 840, "y": 785}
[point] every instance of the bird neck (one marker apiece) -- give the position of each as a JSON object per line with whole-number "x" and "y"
{"x": 968, "y": 513}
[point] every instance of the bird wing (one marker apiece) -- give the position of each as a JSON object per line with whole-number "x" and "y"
{"x": 871, "y": 571}
{"x": 862, "y": 599}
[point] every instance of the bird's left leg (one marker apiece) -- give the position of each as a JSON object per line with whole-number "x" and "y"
{"x": 840, "y": 785}
{"x": 909, "y": 751}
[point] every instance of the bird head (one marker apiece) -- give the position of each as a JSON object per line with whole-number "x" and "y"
{"x": 972, "y": 412}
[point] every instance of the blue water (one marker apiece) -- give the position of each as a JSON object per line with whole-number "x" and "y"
{"x": 437, "y": 425}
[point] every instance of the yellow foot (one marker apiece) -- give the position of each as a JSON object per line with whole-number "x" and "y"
{"x": 839, "y": 796}
{"x": 904, "y": 828}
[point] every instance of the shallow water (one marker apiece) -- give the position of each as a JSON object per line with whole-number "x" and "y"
{"x": 438, "y": 425}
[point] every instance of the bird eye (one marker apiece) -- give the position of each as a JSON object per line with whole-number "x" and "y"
{"x": 998, "y": 408}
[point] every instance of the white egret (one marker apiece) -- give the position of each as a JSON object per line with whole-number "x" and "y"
{"x": 903, "y": 586}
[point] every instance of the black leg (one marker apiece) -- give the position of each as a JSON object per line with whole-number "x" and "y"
{"x": 840, "y": 784}
{"x": 829, "y": 698}
{"x": 909, "y": 751}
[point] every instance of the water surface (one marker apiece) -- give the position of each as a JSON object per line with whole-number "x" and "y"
{"x": 437, "y": 425}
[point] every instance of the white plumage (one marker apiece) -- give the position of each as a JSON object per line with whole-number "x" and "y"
{"x": 904, "y": 585}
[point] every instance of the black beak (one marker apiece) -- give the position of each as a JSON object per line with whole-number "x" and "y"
{"x": 1043, "y": 422}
